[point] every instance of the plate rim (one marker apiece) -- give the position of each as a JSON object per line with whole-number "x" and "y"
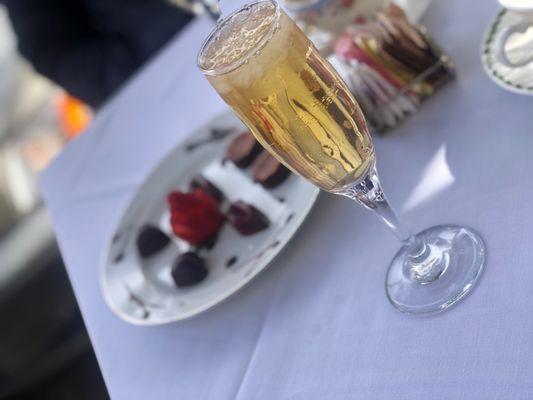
{"x": 223, "y": 296}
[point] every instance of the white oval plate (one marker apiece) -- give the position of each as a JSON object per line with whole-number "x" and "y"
{"x": 142, "y": 292}
{"x": 518, "y": 80}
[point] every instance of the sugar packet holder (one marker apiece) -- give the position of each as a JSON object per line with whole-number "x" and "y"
{"x": 389, "y": 83}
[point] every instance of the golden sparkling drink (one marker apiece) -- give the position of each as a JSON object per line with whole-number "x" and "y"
{"x": 292, "y": 100}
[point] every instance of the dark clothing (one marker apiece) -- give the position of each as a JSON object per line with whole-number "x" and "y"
{"x": 90, "y": 47}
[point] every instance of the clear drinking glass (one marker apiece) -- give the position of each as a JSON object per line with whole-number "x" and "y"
{"x": 300, "y": 110}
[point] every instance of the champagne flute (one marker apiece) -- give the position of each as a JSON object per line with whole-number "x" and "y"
{"x": 300, "y": 110}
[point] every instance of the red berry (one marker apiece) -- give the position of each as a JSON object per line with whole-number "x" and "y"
{"x": 194, "y": 217}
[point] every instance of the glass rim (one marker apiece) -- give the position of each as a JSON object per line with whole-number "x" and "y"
{"x": 224, "y": 69}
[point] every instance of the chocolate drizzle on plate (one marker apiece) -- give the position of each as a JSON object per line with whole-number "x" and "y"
{"x": 289, "y": 218}
{"x": 269, "y": 247}
{"x": 215, "y": 135}
{"x": 143, "y": 305}
{"x": 118, "y": 258}
{"x": 231, "y": 261}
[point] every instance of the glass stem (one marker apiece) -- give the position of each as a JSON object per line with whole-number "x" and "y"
{"x": 422, "y": 263}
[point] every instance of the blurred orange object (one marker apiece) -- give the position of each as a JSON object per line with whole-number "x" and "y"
{"x": 74, "y": 115}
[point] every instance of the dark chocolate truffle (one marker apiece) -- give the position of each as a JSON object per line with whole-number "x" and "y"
{"x": 268, "y": 171}
{"x": 188, "y": 269}
{"x": 243, "y": 150}
{"x": 199, "y": 182}
{"x": 151, "y": 240}
{"x": 246, "y": 218}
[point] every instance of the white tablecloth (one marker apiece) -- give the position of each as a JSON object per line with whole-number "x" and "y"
{"x": 317, "y": 324}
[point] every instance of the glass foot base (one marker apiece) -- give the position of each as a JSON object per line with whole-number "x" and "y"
{"x": 461, "y": 261}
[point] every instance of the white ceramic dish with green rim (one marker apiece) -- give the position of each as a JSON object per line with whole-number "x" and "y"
{"x": 515, "y": 79}
{"x": 142, "y": 291}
